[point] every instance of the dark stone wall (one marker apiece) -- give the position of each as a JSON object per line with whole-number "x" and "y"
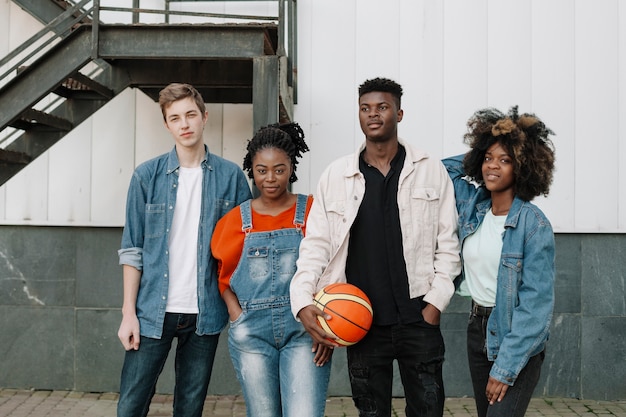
{"x": 61, "y": 292}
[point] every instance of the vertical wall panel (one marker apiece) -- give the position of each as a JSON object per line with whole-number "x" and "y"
{"x": 596, "y": 115}
{"x": 554, "y": 100}
{"x": 19, "y": 20}
{"x": 509, "y": 54}
{"x": 27, "y": 193}
{"x": 3, "y": 202}
{"x": 376, "y": 36}
{"x": 69, "y": 190}
{"x": 563, "y": 60}
{"x": 421, "y": 71}
{"x": 302, "y": 111}
{"x": 112, "y": 139}
{"x": 4, "y": 49}
{"x": 5, "y": 27}
{"x": 621, "y": 143}
{"x": 214, "y": 128}
{"x": 334, "y": 129}
{"x": 151, "y": 136}
{"x": 237, "y": 130}
{"x": 465, "y": 63}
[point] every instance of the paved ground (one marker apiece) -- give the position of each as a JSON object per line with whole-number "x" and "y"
{"x": 22, "y": 403}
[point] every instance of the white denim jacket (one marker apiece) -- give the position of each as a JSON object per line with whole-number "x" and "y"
{"x": 428, "y": 219}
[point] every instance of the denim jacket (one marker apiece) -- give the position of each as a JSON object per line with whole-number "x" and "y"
{"x": 149, "y": 212}
{"x": 519, "y": 324}
{"x": 428, "y": 220}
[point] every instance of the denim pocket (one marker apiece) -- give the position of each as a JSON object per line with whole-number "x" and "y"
{"x": 154, "y": 220}
{"x": 258, "y": 262}
{"x": 222, "y": 207}
{"x": 237, "y": 321}
{"x": 287, "y": 261}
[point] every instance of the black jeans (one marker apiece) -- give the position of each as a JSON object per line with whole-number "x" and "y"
{"x": 419, "y": 350}
{"x": 515, "y": 402}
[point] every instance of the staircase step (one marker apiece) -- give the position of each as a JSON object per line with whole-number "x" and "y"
{"x": 36, "y": 119}
{"x": 12, "y": 157}
{"x": 78, "y": 84}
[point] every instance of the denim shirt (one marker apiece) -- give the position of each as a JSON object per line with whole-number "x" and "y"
{"x": 519, "y": 324}
{"x": 149, "y": 213}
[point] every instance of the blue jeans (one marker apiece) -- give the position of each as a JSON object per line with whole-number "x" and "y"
{"x": 271, "y": 354}
{"x": 419, "y": 350}
{"x": 517, "y": 398}
{"x": 193, "y": 366}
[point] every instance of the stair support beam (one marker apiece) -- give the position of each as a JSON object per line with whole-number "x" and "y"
{"x": 265, "y": 97}
{"x": 22, "y": 93}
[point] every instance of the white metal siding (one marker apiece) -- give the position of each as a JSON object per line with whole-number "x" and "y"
{"x": 564, "y": 60}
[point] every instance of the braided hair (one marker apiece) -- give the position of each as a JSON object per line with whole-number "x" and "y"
{"x": 287, "y": 137}
{"x": 526, "y": 139}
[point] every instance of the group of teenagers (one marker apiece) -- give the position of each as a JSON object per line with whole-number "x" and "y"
{"x": 198, "y": 252}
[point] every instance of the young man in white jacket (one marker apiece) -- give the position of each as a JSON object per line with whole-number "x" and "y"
{"x": 384, "y": 219}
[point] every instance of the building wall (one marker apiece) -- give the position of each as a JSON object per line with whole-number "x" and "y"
{"x": 564, "y": 60}
{"x": 61, "y": 288}
{"x": 61, "y": 217}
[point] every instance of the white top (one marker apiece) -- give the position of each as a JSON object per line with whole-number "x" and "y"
{"x": 481, "y": 259}
{"x": 183, "y": 243}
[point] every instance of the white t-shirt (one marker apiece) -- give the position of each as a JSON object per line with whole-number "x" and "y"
{"x": 481, "y": 259}
{"x": 183, "y": 243}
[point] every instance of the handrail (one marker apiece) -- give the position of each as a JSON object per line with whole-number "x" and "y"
{"x": 62, "y": 26}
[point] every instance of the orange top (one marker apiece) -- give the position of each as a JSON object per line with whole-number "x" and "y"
{"x": 227, "y": 240}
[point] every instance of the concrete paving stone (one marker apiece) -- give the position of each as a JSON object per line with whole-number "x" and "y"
{"x": 33, "y": 403}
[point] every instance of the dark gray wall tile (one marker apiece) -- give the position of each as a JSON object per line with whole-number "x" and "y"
{"x": 99, "y": 282}
{"x": 603, "y": 355}
{"x": 560, "y": 373}
{"x": 567, "y": 281}
{"x": 99, "y": 353}
{"x": 604, "y": 275}
{"x": 223, "y": 379}
{"x": 37, "y": 347}
{"x": 48, "y": 347}
{"x": 37, "y": 266}
{"x": 456, "y": 377}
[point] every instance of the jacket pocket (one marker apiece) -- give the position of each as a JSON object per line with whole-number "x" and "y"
{"x": 336, "y": 214}
{"x": 222, "y": 207}
{"x": 425, "y": 208}
{"x": 154, "y": 220}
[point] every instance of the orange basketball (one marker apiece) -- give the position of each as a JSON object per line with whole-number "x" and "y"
{"x": 350, "y": 309}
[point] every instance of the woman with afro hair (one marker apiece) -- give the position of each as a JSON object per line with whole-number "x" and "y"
{"x": 508, "y": 255}
{"x": 281, "y": 370}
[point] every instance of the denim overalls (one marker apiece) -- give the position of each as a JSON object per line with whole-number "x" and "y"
{"x": 270, "y": 350}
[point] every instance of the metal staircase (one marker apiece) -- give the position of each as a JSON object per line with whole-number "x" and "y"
{"x": 77, "y": 63}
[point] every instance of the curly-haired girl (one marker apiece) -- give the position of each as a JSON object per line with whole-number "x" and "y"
{"x": 508, "y": 255}
{"x": 281, "y": 370}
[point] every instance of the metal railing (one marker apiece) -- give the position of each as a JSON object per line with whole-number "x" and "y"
{"x": 91, "y": 11}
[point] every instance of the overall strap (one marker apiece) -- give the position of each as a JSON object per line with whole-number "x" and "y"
{"x": 298, "y": 218}
{"x": 246, "y": 216}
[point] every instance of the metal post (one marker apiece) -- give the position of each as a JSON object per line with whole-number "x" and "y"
{"x": 281, "y": 28}
{"x": 293, "y": 49}
{"x": 94, "y": 29}
{"x": 265, "y": 91}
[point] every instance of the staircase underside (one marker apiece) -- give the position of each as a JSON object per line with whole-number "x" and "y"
{"x": 227, "y": 63}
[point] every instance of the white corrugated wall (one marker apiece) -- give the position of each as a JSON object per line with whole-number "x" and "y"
{"x": 565, "y": 60}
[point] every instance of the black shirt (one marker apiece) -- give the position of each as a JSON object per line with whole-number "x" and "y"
{"x": 375, "y": 254}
